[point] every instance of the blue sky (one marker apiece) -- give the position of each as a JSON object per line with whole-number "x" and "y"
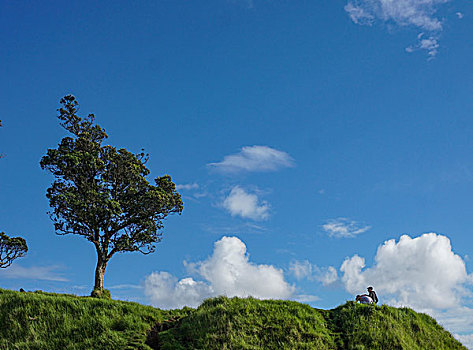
{"x": 310, "y": 134}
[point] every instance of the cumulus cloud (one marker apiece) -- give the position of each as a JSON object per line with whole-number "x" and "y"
{"x": 247, "y": 205}
{"x": 227, "y": 272}
{"x": 254, "y": 158}
{"x": 166, "y": 291}
{"x": 422, "y": 273}
{"x": 417, "y": 13}
{"x": 344, "y": 228}
{"x": 305, "y": 270}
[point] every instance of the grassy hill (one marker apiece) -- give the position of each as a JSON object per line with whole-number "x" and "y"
{"x": 55, "y": 321}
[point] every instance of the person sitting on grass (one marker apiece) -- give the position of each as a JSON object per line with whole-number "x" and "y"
{"x": 372, "y": 294}
{"x": 364, "y": 299}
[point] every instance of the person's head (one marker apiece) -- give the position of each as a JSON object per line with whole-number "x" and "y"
{"x": 370, "y": 289}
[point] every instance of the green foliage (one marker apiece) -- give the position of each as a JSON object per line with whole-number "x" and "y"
{"x": 101, "y": 192}
{"x": 366, "y": 327}
{"x": 49, "y": 321}
{"x": 235, "y": 323}
{"x": 46, "y": 321}
{"x": 11, "y": 249}
{"x": 101, "y": 293}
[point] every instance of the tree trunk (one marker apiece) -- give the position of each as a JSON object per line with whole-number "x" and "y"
{"x": 100, "y": 273}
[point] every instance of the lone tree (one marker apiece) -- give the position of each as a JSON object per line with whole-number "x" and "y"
{"x": 11, "y": 249}
{"x": 101, "y": 193}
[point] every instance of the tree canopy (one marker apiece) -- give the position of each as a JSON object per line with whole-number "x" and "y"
{"x": 11, "y": 249}
{"x": 101, "y": 192}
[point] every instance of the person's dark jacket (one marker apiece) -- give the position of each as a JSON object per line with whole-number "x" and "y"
{"x": 372, "y": 295}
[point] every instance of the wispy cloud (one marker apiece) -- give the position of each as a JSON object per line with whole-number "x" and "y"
{"x": 305, "y": 270}
{"x": 192, "y": 186}
{"x": 247, "y": 205}
{"x": 420, "y": 14}
{"x": 358, "y": 14}
{"x": 306, "y": 298}
{"x": 301, "y": 269}
{"x": 227, "y": 272}
{"x": 125, "y": 286}
{"x": 46, "y": 273}
{"x": 254, "y": 158}
{"x": 344, "y": 228}
{"x": 430, "y": 44}
{"x": 192, "y": 191}
{"x": 224, "y": 228}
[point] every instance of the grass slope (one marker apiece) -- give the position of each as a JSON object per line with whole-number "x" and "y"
{"x": 224, "y": 323}
{"x": 46, "y": 321}
{"x": 55, "y": 321}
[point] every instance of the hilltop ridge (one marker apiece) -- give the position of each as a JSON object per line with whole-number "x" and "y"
{"x": 57, "y": 321}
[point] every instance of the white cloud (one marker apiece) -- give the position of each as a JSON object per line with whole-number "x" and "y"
{"x": 459, "y": 319}
{"x": 344, "y": 228}
{"x": 227, "y": 272}
{"x": 125, "y": 286}
{"x": 254, "y": 158}
{"x": 306, "y": 298}
{"x": 301, "y": 269}
{"x": 329, "y": 276}
{"x": 167, "y": 292}
{"x": 466, "y": 340}
{"x": 45, "y": 273}
{"x": 422, "y": 273}
{"x": 429, "y": 44}
{"x": 247, "y": 205}
{"x": 305, "y": 270}
{"x": 193, "y": 186}
{"x": 358, "y": 14}
{"x": 417, "y": 13}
